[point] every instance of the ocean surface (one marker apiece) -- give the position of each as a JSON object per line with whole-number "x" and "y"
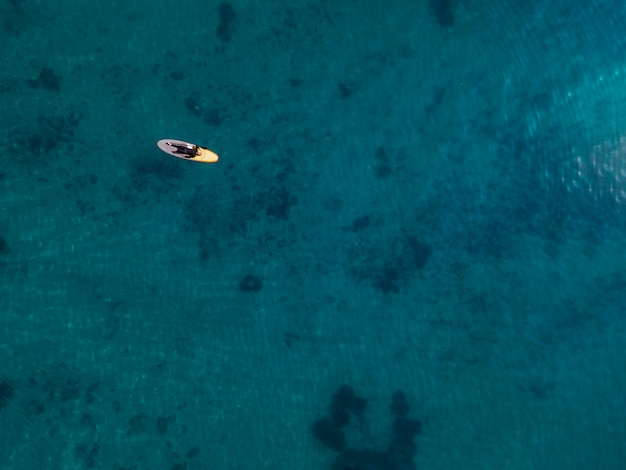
{"x": 410, "y": 255}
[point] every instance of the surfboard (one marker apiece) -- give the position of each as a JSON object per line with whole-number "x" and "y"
{"x": 185, "y": 150}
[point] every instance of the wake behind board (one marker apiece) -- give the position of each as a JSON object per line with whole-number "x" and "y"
{"x": 187, "y": 151}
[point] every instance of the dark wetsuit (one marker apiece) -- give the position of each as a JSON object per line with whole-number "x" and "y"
{"x": 185, "y": 151}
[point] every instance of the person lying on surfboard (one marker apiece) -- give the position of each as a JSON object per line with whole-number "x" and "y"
{"x": 188, "y": 151}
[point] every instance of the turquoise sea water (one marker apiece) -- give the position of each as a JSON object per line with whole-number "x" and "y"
{"x": 419, "y": 200}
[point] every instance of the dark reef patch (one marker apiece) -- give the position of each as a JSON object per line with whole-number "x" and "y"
{"x": 227, "y": 23}
{"x": 18, "y": 5}
{"x": 193, "y": 106}
{"x": 275, "y": 201}
{"x": 4, "y": 246}
{"x": 328, "y": 434}
{"x": 399, "y": 404}
{"x": 88, "y": 454}
{"x": 47, "y": 80}
{"x": 278, "y": 202}
{"x": 139, "y": 424}
{"x": 361, "y": 223}
{"x": 250, "y": 283}
{"x": 158, "y": 175}
{"x": 345, "y": 400}
{"x": 6, "y": 392}
{"x": 421, "y": 251}
{"x": 438, "y": 97}
{"x": 193, "y": 452}
{"x": 212, "y": 116}
{"x": 345, "y": 404}
{"x": 388, "y": 266}
{"x": 442, "y": 11}
{"x": 162, "y": 424}
{"x": 49, "y": 133}
{"x": 346, "y": 90}
{"x": 254, "y": 143}
{"x": 382, "y": 168}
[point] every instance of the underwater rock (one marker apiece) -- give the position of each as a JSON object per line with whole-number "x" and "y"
{"x": 47, "y": 80}
{"x": 250, "y": 284}
{"x": 442, "y": 11}
{"x": 401, "y": 449}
